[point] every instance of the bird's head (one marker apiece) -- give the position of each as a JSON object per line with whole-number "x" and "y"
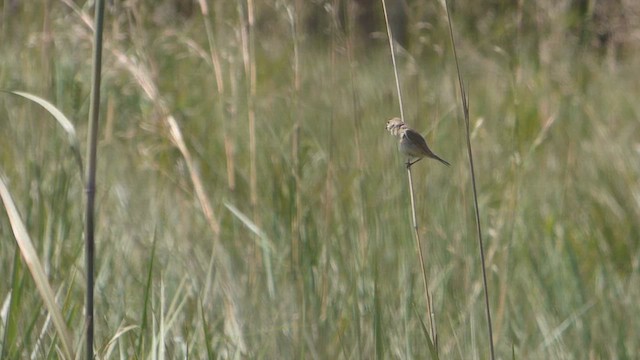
{"x": 395, "y": 125}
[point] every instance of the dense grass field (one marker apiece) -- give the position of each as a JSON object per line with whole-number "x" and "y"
{"x": 250, "y": 203}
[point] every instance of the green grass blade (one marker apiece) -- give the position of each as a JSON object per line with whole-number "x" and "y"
{"x": 206, "y": 333}
{"x": 433, "y": 351}
{"x": 147, "y": 298}
{"x": 35, "y": 267}
{"x": 11, "y": 332}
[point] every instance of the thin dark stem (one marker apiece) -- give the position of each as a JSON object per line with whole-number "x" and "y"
{"x": 94, "y": 112}
{"x": 465, "y": 109}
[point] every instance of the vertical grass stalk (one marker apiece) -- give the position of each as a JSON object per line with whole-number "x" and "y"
{"x": 296, "y": 249}
{"x": 329, "y": 188}
{"x": 253, "y": 176}
{"x": 94, "y": 113}
{"x": 217, "y": 71}
{"x": 465, "y": 110}
{"x": 247, "y": 34}
{"x": 295, "y": 145}
{"x": 430, "y": 313}
{"x": 425, "y": 281}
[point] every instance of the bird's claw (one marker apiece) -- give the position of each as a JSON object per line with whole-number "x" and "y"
{"x": 410, "y": 163}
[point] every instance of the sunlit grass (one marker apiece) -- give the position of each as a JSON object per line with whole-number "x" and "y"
{"x": 556, "y": 150}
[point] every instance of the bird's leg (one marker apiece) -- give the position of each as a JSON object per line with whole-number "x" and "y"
{"x": 409, "y": 163}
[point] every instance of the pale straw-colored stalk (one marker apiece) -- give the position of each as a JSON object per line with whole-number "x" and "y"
{"x": 429, "y": 304}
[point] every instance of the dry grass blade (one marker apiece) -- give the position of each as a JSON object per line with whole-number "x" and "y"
{"x": 30, "y": 257}
{"x": 62, "y": 121}
{"x": 114, "y": 340}
{"x": 264, "y": 243}
{"x": 207, "y": 209}
{"x": 145, "y": 81}
{"x": 178, "y": 140}
{"x": 264, "y": 240}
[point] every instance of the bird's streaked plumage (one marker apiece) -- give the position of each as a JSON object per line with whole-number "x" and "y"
{"x": 411, "y": 144}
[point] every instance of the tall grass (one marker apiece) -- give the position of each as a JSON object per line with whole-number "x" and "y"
{"x": 556, "y": 142}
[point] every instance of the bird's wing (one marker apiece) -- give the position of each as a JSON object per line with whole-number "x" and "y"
{"x": 417, "y": 139}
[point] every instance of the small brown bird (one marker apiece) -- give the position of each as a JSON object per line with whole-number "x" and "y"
{"x": 411, "y": 144}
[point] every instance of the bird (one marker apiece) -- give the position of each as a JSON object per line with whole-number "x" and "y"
{"x": 411, "y": 144}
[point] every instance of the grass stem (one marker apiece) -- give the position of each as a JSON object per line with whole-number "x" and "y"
{"x": 92, "y": 143}
{"x": 430, "y": 313}
{"x": 425, "y": 281}
{"x": 465, "y": 109}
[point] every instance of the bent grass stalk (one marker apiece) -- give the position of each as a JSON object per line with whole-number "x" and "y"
{"x": 431, "y": 315}
{"x": 62, "y": 120}
{"x": 30, "y": 256}
{"x": 27, "y": 250}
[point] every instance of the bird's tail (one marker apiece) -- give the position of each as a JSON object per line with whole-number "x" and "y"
{"x": 440, "y": 159}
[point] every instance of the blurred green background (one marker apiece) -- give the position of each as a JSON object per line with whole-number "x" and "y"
{"x": 307, "y": 251}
